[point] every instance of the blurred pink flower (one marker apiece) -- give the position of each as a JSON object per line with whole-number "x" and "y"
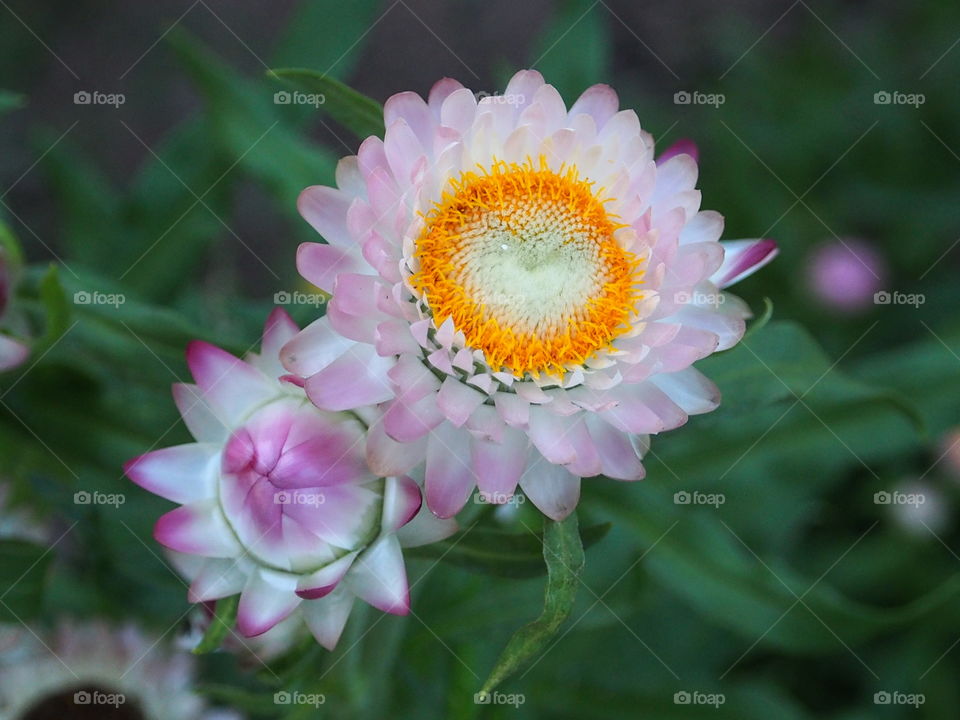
{"x": 846, "y": 275}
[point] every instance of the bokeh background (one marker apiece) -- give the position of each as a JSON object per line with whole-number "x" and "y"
{"x": 830, "y": 572}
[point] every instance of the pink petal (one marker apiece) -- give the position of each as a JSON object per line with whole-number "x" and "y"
{"x": 197, "y": 529}
{"x": 355, "y": 379}
{"x": 743, "y": 258}
{"x": 387, "y": 457}
{"x": 551, "y": 488}
{"x": 325, "y": 208}
{"x": 322, "y": 582}
{"x": 217, "y": 578}
{"x": 684, "y": 146}
{"x": 548, "y": 433}
{"x": 314, "y": 348}
{"x": 457, "y": 400}
{"x": 182, "y": 473}
{"x": 500, "y": 465}
{"x": 619, "y": 456}
{"x": 321, "y": 264}
{"x": 401, "y": 501}
{"x": 230, "y": 386}
{"x": 12, "y": 353}
{"x": 425, "y": 529}
{"x": 268, "y": 598}
{"x": 449, "y": 477}
{"x": 326, "y": 617}
{"x": 599, "y": 102}
{"x": 380, "y": 578}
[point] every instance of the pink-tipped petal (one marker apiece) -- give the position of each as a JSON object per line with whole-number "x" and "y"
{"x": 449, "y": 477}
{"x": 500, "y": 465}
{"x": 182, "y": 473}
{"x": 379, "y": 577}
{"x": 551, "y": 488}
{"x": 425, "y": 529}
{"x": 599, "y": 102}
{"x": 230, "y": 386}
{"x": 684, "y": 146}
{"x": 12, "y": 353}
{"x": 401, "y": 502}
{"x": 743, "y": 258}
{"x": 325, "y": 209}
{"x": 356, "y": 378}
{"x": 326, "y": 617}
{"x": 387, "y": 457}
{"x": 457, "y": 400}
{"x": 198, "y": 416}
{"x": 268, "y": 598}
{"x": 321, "y": 264}
{"x": 314, "y": 348}
{"x": 325, "y": 580}
{"x": 197, "y": 529}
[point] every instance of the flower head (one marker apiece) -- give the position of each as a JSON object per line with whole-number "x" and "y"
{"x": 278, "y": 503}
{"x": 87, "y": 670}
{"x": 521, "y": 286}
{"x": 845, "y": 275}
{"x": 12, "y": 352}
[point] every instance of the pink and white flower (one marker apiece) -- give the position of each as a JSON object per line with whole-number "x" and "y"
{"x": 277, "y": 501}
{"x": 522, "y": 287}
{"x": 12, "y": 352}
{"x": 94, "y": 664}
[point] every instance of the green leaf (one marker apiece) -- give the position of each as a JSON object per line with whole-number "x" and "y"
{"x": 249, "y": 126}
{"x": 354, "y": 110}
{"x": 224, "y": 617}
{"x": 23, "y": 567}
{"x": 575, "y": 48}
{"x": 563, "y": 553}
{"x": 759, "y": 323}
{"x": 56, "y": 307}
{"x": 497, "y": 552}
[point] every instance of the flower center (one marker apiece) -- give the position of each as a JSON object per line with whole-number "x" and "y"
{"x": 525, "y": 262}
